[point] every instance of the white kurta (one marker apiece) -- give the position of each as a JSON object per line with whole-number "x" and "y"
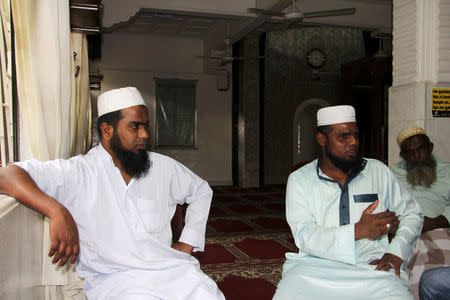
{"x": 125, "y": 233}
{"x": 330, "y": 264}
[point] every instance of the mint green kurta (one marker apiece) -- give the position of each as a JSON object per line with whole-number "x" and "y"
{"x": 330, "y": 264}
{"x": 435, "y": 200}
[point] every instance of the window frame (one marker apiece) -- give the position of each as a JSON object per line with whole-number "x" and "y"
{"x": 175, "y": 83}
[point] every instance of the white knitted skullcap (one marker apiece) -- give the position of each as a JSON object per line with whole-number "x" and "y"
{"x": 335, "y": 114}
{"x": 409, "y": 132}
{"x": 118, "y": 99}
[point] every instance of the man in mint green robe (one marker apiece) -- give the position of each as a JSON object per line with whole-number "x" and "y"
{"x": 341, "y": 209}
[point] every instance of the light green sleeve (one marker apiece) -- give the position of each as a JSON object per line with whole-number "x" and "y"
{"x": 446, "y": 172}
{"x": 409, "y": 214}
{"x": 332, "y": 243}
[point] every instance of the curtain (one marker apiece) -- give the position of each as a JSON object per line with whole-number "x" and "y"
{"x": 42, "y": 32}
{"x": 6, "y": 109}
{"x": 81, "y": 112}
{"x": 54, "y": 105}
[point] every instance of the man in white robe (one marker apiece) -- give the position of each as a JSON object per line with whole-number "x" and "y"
{"x": 341, "y": 209}
{"x": 119, "y": 199}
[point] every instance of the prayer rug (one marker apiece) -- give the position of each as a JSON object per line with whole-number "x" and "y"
{"x": 246, "y": 240}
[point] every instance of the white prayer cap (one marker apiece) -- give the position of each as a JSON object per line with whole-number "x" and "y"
{"x": 409, "y": 132}
{"x": 335, "y": 114}
{"x": 118, "y": 99}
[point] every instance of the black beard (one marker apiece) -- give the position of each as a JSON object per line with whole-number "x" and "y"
{"x": 423, "y": 174}
{"x": 134, "y": 164}
{"x": 343, "y": 164}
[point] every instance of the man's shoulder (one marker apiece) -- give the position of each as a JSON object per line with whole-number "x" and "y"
{"x": 158, "y": 157}
{"x": 372, "y": 162}
{"x": 398, "y": 168}
{"x": 374, "y": 165}
{"x": 442, "y": 165}
{"x": 443, "y": 170}
{"x": 306, "y": 170}
{"x": 163, "y": 161}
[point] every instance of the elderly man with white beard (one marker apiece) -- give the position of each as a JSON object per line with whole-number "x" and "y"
{"x": 424, "y": 176}
{"x": 428, "y": 181}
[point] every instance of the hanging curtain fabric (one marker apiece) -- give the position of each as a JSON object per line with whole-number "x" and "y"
{"x": 43, "y": 62}
{"x": 6, "y": 108}
{"x": 54, "y": 107}
{"x": 81, "y": 112}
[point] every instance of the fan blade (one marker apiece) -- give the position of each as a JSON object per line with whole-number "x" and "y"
{"x": 330, "y": 13}
{"x": 259, "y": 11}
{"x": 287, "y": 24}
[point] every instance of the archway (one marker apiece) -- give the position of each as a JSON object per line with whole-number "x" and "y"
{"x": 304, "y": 143}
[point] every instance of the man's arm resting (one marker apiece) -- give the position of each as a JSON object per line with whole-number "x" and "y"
{"x": 15, "y": 182}
{"x": 434, "y": 223}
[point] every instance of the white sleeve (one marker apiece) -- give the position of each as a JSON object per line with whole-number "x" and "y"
{"x": 49, "y": 176}
{"x": 187, "y": 187}
{"x": 410, "y": 216}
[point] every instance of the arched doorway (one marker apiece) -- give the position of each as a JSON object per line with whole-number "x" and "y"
{"x": 304, "y": 143}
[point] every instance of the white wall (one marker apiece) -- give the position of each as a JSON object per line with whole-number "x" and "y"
{"x": 420, "y": 63}
{"x": 412, "y": 105}
{"x": 134, "y": 60}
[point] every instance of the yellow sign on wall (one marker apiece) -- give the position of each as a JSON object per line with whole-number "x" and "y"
{"x": 441, "y": 103}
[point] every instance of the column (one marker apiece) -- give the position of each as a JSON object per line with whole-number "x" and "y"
{"x": 421, "y": 62}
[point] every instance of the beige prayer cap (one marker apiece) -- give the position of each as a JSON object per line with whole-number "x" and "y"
{"x": 335, "y": 114}
{"x": 118, "y": 99}
{"x": 409, "y": 132}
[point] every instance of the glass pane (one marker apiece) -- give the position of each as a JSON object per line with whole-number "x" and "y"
{"x": 175, "y": 115}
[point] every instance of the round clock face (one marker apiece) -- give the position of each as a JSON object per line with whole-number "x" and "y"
{"x": 315, "y": 58}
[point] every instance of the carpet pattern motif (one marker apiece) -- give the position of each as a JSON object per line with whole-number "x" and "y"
{"x": 246, "y": 240}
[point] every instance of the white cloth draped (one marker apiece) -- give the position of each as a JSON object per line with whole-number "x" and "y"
{"x": 6, "y": 116}
{"x": 54, "y": 106}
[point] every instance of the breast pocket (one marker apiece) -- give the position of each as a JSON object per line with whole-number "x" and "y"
{"x": 361, "y": 202}
{"x": 152, "y": 213}
{"x": 361, "y": 198}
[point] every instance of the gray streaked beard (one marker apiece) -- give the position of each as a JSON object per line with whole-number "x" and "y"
{"x": 423, "y": 174}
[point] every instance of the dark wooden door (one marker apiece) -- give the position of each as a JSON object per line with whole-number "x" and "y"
{"x": 365, "y": 84}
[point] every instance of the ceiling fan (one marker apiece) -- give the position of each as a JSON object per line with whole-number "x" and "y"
{"x": 225, "y": 56}
{"x": 293, "y": 14}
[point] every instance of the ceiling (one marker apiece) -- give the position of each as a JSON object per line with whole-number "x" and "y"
{"x": 203, "y": 26}
{"x": 213, "y": 25}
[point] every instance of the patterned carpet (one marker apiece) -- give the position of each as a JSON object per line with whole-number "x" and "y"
{"x": 246, "y": 239}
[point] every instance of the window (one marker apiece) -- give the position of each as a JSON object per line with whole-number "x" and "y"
{"x": 175, "y": 113}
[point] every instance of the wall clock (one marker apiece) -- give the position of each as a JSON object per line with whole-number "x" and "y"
{"x": 315, "y": 58}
